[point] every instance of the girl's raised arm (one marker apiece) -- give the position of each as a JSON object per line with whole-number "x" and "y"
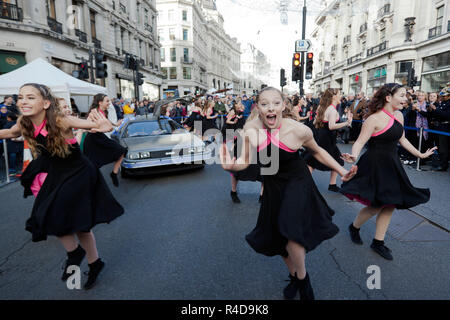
{"x": 13, "y": 132}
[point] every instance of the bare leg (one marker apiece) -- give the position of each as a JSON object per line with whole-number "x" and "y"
{"x": 297, "y": 256}
{"x": 383, "y": 220}
{"x": 262, "y": 189}
{"x": 234, "y": 183}
{"x": 69, "y": 242}
{"x": 333, "y": 177}
{"x": 289, "y": 265}
{"x": 311, "y": 169}
{"x": 87, "y": 240}
{"x": 117, "y": 164}
{"x": 364, "y": 215}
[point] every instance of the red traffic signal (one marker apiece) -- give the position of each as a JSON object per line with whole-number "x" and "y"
{"x": 310, "y": 55}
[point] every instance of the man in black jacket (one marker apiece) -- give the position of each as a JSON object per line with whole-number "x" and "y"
{"x": 441, "y": 116}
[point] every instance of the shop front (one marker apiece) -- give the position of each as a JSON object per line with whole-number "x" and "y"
{"x": 435, "y": 72}
{"x": 355, "y": 83}
{"x": 10, "y": 61}
{"x": 376, "y": 79}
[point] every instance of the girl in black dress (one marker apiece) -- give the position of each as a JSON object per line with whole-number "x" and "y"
{"x": 294, "y": 218}
{"x": 209, "y": 118}
{"x": 381, "y": 183}
{"x": 326, "y": 124}
{"x": 71, "y": 194}
{"x": 235, "y": 121}
{"x": 98, "y": 147}
{"x": 193, "y": 122}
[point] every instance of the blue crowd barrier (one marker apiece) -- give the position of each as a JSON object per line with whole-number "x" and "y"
{"x": 418, "y": 129}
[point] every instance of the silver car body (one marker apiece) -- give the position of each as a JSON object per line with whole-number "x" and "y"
{"x": 178, "y": 149}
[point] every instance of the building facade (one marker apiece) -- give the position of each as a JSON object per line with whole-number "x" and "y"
{"x": 197, "y": 55}
{"x": 256, "y": 69}
{"x": 65, "y": 31}
{"x": 360, "y": 45}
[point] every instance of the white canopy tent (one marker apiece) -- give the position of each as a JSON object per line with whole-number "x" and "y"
{"x": 62, "y": 84}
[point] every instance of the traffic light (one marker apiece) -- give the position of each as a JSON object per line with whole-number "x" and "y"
{"x": 100, "y": 67}
{"x": 140, "y": 79}
{"x": 282, "y": 78}
{"x": 297, "y": 67}
{"x": 83, "y": 72}
{"x": 412, "y": 79}
{"x": 309, "y": 65}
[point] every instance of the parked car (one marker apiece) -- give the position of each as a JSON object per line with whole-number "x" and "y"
{"x": 159, "y": 144}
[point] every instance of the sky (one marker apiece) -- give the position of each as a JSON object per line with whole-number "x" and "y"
{"x": 259, "y": 22}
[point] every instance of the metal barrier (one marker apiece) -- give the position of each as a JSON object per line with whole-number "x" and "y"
{"x": 6, "y": 162}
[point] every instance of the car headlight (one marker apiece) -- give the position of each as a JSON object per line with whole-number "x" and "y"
{"x": 200, "y": 149}
{"x": 145, "y": 154}
{"x": 133, "y": 155}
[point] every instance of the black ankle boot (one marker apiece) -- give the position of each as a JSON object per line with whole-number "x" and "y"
{"x": 114, "y": 179}
{"x": 234, "y": 197}
{"x": 354, "y": 234}
{"x": 304, "y": 288}
{"x": 94, "y": 270}
{"x": 334, "y": 188}
{"x": 73, "y": 258}
{"x": 291, "y": 289}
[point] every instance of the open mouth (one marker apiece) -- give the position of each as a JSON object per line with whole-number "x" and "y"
{"x": 271, "y": 119}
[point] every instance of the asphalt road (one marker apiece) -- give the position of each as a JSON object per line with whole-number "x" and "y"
{"x": 182, "y": 238}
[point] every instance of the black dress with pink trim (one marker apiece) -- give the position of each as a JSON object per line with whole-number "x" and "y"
{"x": 292, "y": 207}
{"x": 326, "y": 139}
{"x": 381, "y": 180}
{"x": 73, "y": 196}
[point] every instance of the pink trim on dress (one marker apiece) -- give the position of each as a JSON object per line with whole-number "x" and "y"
{"x": 101, "y": 111}
{"x": 363, "y": 201}
{"x": 38, "y": 182}
{"x": 40, "y": 128}
{"x": 276, "y": 142}
{"x": 389, "y": 125}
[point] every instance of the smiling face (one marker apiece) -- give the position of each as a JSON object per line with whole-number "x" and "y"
{"x": 398, "y": 99}
{"x": 270, "y": 107}
{"x": 104, "y": 104}
{"x": 31, "y": 102}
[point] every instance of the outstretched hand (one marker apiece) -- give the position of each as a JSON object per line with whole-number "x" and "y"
{"x": 350, "y": 174}
{"x": 349, "y": 158}
{"x": 103, "y": 124}
{"x": 225, "y": 159}
{"x": 428, "y": 153}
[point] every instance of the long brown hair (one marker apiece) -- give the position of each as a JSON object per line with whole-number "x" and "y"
{"x": 379, "y": 99}
{"x": 95, "y": 103}
{"x": 325, "y": 102}
{"x": 56, "y": 143}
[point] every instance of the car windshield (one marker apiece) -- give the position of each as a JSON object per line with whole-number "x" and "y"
{"x": 152, "y": 128}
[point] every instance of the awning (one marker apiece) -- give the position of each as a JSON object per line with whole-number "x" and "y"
{"x": 10, "y": 61}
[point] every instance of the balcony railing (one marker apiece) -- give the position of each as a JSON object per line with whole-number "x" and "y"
{"x": 81, "y": 35}
{"x": 434, "y": 32}
{"x": 10, "y": 11}
{"x": 448, "y": 26}
{"x": 118, "y": 51}
{"x": 347, "y": 40}
{"x": 97, "y": 43}
{"x": 363, "y": 28}
{"x": 54, "y": 25}
{"x": 333, "y": 48}
{"x": 374, "y": 50}
{"x": 354, "y": 59}
{"x": 187, "y": 60}
{"x": 384, "y": 11}
{"x": 148, "y": 27}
